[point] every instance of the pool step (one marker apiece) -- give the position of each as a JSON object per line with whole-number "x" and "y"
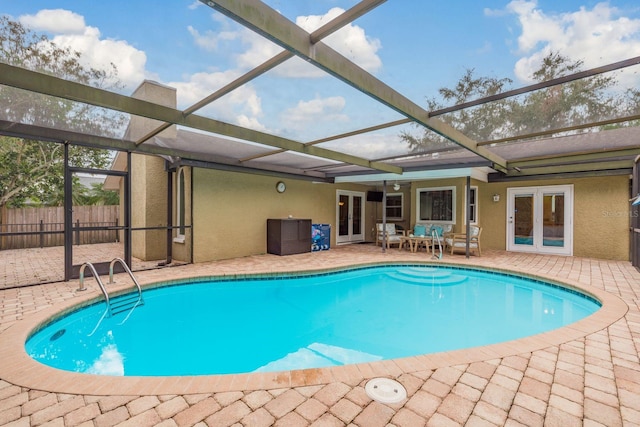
{"x": 436, "y": 277}
{"x": 320, "y": 355}
{"x": 125, "y": 302}
{"x": 423, "y": 272}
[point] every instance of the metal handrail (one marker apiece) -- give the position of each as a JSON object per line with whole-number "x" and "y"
{"x": 126, "y": 268}
{"x": 95, "y": 274}
{"x": 102, "y": 287}
{"x": 436, "y": 237}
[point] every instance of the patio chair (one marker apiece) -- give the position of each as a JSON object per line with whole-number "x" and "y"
{"x": 392, "y": 234}
{"x": 458, "y": 241}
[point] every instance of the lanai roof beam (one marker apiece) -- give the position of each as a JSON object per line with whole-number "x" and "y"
{"x": 267, "y": 22}
{"x": 327, "y": 29}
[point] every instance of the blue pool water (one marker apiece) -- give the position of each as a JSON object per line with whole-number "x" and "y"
{"x": 353, "y": 316}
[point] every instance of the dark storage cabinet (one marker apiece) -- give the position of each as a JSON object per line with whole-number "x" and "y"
{"x": 288, "y": 236}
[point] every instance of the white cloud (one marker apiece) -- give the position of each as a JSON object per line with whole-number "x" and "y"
{"x": 251, "y": 123}
{"x": 210, "y": 40}
{"x": 259, "y": 49}
{"x": 494, "y": 12}
{"x": 57, "y": 21}
{"x": 242, "y": 106}
{"x": 596, "y": 36}
{"x": 351, "y": 41}
{"x": 485, "y": 48}
{"x": 69, "y": 30}
{"x": 315, "y": 112}
{"x": 196, "y": 4}
{"x": 376, "y": 145}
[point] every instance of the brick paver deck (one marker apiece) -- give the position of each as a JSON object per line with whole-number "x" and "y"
{"x": 22, "y": 267}
{"x": 584, "y": 378}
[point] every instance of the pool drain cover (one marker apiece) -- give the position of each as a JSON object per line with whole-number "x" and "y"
{"x": 385, "y": 390}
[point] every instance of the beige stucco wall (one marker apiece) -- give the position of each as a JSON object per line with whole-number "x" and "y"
{"x": 230, "y": 210}
{"x": 603, "y": 209}
{"x": 601, "y": 212}
{"x": 149, "y": 178}
{"x": 600, "y": 209}
{"x": 148, "y": 207}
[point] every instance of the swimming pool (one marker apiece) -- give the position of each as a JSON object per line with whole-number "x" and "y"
{"x": 314, "y": 320}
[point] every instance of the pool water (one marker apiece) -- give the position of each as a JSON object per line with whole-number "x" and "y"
{"x": 309, "y": 321}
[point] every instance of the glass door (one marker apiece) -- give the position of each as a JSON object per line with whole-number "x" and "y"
{"x": 523, "y": 219}
{"x": 539, "y": 219}
{"x": 350, "y": 216}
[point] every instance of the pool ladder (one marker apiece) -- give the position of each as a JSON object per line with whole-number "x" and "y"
{"x": 115, "y": 305}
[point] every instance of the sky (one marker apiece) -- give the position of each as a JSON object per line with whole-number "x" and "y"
{"x": 416, "y": 47}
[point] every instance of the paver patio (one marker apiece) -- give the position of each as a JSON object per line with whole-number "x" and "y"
{"x": 22, "y": 267}
{"x": 585, "y": 380}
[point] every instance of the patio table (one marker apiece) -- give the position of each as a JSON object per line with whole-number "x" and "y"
{"x": 414, "y": 242}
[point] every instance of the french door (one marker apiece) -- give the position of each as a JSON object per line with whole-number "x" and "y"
{"x": 540, "y": 219}
{"x": 349, "y": 216}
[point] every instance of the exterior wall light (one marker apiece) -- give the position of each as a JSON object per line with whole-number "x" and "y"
{"x": 496, "y": 198}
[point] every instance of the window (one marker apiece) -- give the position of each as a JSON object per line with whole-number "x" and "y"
{"x": 473, "y": 219}
{"x": 180, "y": 207}
{"x": 437, "y": 204}
{"x": 395, "y": 206}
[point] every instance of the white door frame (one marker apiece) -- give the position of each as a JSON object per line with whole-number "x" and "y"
{"x": 350, "y": 237}
{"x": 538, "y": 244}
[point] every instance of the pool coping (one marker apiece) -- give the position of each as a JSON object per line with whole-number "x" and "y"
{"x": 20, "y": 369}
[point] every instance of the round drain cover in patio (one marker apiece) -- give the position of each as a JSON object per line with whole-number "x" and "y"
{"x": 385, "y": 390}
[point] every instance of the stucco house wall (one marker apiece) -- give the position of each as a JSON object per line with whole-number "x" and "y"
{"x": 600, "y": 206}
{"x": 230, "y": 210}
{"x": 601, "y": 215}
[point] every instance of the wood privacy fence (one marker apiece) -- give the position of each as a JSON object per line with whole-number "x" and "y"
{"x": 42, "y": 227}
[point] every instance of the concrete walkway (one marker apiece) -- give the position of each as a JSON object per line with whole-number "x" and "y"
{"x": 585, "y": 380}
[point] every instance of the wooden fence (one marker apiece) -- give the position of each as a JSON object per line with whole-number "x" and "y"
{"x": 43, "y": 227}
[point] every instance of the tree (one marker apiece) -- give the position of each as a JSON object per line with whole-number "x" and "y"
{"x": 34, "y": 169}
{"x": 577, "y": 102}
{"x": 477, "y": 123}
{"x": 97, "y": 195}
{"x": 574, "y": 103}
